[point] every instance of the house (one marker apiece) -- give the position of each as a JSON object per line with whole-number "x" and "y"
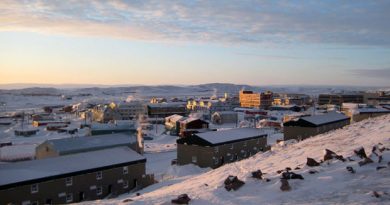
{"x": 73, "y": 145}
{"x": 26, "y": 132}
{"x": 223, "y": 117}
{"x": 73, "y": 178}
{"x": 191, "y": 125}
{"x": 215, "y": 148}
{"x": 39, "y": 123}
{"x": 305, "y": 127}
{"x": 171, "y": 123}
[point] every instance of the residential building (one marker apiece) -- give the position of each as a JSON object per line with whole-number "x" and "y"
{"x": 359, "y": 112}
{"x": 190, "y": 125}
{"x": 223, "y": 117}
{"x": 215, "y": 148}
{"x": 172, "y": 123}
{"x": 73, "y": 178}
{"x": 112, "y": 127}
{"x": 305, "y": 127}
{"x": 73, "y": 145}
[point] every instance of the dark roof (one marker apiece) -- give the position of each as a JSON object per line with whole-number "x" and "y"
{"x": 215, "y": 138}
{"x": 80, "y": 144}
{"x": 317, "y": 120}
{"x": 35, "y": 171}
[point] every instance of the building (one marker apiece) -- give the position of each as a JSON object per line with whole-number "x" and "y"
{"x": 190, "y": 125}
{"x": 162, "y": 110}
{"x": 339, "y": 99}
{"x": 251, "y": 99}
{"x": 215, "y": 148}
{"x": 359, "y": 112}
{"x": 73, "y": 178}
{"x": 112, "y": 127}
{"x": 305, "y": 127}
{"x": 119, "y": 111}
{"x": 73, "y": 145}
{"x": 223, "y": 117}
{"x": 172, "y": 123}
{"x": 293, "y": 108}
{"x": 26, "y": 132}
{"x": 131, "y": 110}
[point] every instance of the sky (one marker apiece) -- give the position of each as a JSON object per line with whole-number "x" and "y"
{"x": 194, "y": 42}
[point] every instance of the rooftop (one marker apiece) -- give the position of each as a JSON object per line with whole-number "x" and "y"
{"x": 231, "y": 135}
{"x": 19, "y": 173}
{"x": 77, "y": 144}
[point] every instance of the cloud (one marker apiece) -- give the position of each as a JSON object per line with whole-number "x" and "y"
{"x": 254, "y": 22}
{"x": 372, "y": 73}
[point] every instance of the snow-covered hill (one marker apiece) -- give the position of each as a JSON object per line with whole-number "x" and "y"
{"x": 332, "y": 184}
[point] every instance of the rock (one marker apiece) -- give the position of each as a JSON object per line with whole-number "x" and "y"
{"x": 360, "y": 152}
{"x": 296, "y": 168}
{"x": 350, "y": 169}
{"x": 312, "y": 163}
{"x": 267, "y": 180}
{"x": 376, "y": 194}
{"x": 313, "y": 171}
{"x": 279, "y": 171}
{"x": 285, "y": 185}
{"x": 181, "y": 199}
{"x": 138, "y": 194}
{"x": 206, "y": 184}
{"x": 380, "y": 158}
{"x": 233, "y": 183}
{"x": 365, "y": 161}
{"x": 380, "y": 167}
{"x": 291, "y": 175}
{"x": 257, "y": 174}
{"x": 127, "y": 200}
{"x": 288, "y": 169}
{"x": 350, "y": 159}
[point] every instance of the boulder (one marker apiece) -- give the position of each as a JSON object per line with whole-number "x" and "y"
{"x": 365, "y": 161}
{"x": 312, "y": 162}
{"x": 181, "y": 199}
{"x": 350, "y": 169}
{"x": 380, "y": 167}
{"x": 360, "y": 152}
{"x": 285, "y": 185}
{"x": 257, "y": 174}
{"x": 233, "y": 183}
{"x": 296, "y": 168}
{"x": 329, "y": 154}
{"x": 313, "y": 171}
{"x": 291, "y": 175}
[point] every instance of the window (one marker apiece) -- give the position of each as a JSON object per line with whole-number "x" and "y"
{"x": 99, "y": 190}
{"x": 125, "y": 170}
{"x": 62, "y": 194}
{"x": 69, "y": 197}
{"x": 125, "y": 184}
{"x": 245, "y": 143}
{"x": 99, "y": 175}
{"x": 68, "y": 181}
{"x": 26, "y": 203}
{"x": 216, "y": 161}
{"x": 216, "y": 149}
{"x": 194, "y": 159}
{"x": 34, "y": 188}
{"x": 231, "y": 146}
{"x": 258, "y": 141}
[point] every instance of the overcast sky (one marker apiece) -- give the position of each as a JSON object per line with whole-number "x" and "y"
{"x": 191, "y": 42}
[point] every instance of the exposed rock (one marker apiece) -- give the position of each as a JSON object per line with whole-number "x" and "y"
{"x": 312, "y": 163}
{"x": 233, "y": 183}
{"x": 257, "y": 174}
{"x": 285, "y": 185}
{"x": 279, "y": 171}
{"x": 329, "y": 154}
{"x": 296, "y": 168}
{"x": 206, "y": 184}
{"x": 291, "y": 175}
{"x": 380, "y": 158}
{"x": 181, "y": 199}
{"x": 376, "y": 194}
{"x": 127, "y": 200}
{"x": 350, "y": 159}
{"x": 267, "y": 180}
{"x": 360, "y": 152}
{"x": 350, "y": 169}
{"x": 365, "y": 161}
{"x": 380, "y": 167}
{"x": 313, "y": 172}
{"x": 288, "y": 169}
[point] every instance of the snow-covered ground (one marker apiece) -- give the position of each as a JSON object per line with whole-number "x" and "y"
{"x": 332, "y": 184}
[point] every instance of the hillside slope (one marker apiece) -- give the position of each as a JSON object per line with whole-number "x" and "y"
{"x": 332, "y": 184}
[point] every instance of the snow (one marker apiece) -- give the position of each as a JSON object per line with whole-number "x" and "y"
{"x": 216, "y": 137}
{"x": 332, "y": 184}
{"x": 325, "y": 118}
